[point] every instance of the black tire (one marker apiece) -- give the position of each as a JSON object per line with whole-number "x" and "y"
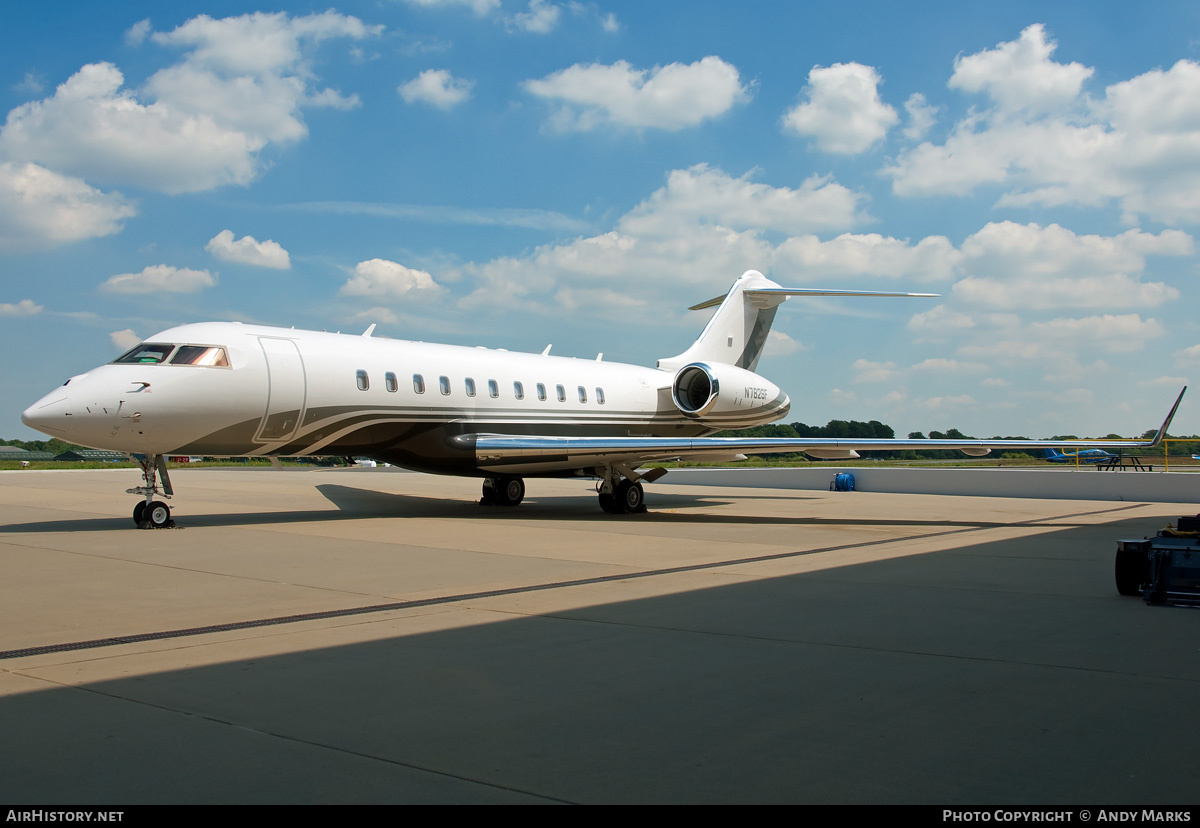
{"x": 503, "y": 491}
{"x": 609, "y": 503}
{"x": 631, "y": 497}
{"x": 513, "y": 492}
{"x": 139, "y": 511}
{"x": 489, "y": 493}
{"x": 158, "y": 514}
{"x": 1130, "y": 571}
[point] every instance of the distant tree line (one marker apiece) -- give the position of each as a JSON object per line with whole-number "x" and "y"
{"x": 54, "y": 445}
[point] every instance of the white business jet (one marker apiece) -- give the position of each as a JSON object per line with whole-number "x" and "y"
{"x": 229, "y": 389}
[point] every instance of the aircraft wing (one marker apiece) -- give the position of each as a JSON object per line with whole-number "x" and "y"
{"x": 516, "y": 454}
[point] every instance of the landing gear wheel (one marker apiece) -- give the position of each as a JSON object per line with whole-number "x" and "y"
{"x": 509, "y": 490}
{"x": 139, "y": 511}
{"x": 489, "y": 493}
{"x": 503, "y": 491}
{"x": 609, "y": 503}
{"x": 631, "y": 497}
{"x": 158, "y": 515}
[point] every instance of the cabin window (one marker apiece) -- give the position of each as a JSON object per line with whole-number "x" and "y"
{"x": 145, "y": 354}
{"x": 203, "y": 355}
{"x": 470, "y": 387}
{"x": 518, "y": 391}
{"x": 363, "y": 382}
{"x": 418, "y": 383}
{"x": 562, "y": 393}
{"x": 444, "y": 384}
{"x": 493, "y": 389}
{"x": 582, "y": 394}
{"x": 389, "y": 382}
{"x": 599, "y": 396}
{"x": 541, "y": 391}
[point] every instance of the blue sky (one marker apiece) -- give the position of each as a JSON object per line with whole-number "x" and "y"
{"x": 522, "y": 173}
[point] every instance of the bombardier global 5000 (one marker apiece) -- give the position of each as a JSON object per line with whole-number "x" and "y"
{"x": 230, "y": 389}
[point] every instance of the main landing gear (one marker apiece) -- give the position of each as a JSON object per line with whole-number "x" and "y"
{"x": 503, "y": 491}
{"x": 150, "y": 513}
{"x": 627, "y": 497}
{"x": 620, "y": 489}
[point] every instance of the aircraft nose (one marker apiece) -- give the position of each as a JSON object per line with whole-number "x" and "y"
{"x": 48, "y": 414}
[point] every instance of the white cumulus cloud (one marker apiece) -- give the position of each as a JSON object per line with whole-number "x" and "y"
{"x": 248, "y": 250}
{"x": 125, "y": 339}
{"x": 1063, "y": 339}
{"x": 1012, "y": 265}
{"x": 1188, "y": 355}
{"x": 138, "y": 32}
{"x": 41, "y": 208}
{"x": 480, "y": 7}
{"x": 195, "y": 125}
{"x": 707, "y": 195}
{"x": 843, "y": 113}
{"x": 1020, "y": 75}
{"x": 931, "y": 259}
{"x": 1046, "y": 143}
{"x": 436, "y": 87}
{"x": 921, "y": 116}
{"x": 940, "y": 323}
{"x": 780, "y": 344}
{"x": 941, "y": 365}
{"x": 704, "y": 227}
{"x": 160, "y": 279}
{"x": 867, "y": 371}
{"x": 541, "y": 18}
{"x": 26, "y": 307}
{"x": 383, "y": 279}
{"x": 670, "y": 97}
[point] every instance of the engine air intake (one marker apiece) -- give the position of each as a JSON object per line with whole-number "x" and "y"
{"x": 695, "y": 389}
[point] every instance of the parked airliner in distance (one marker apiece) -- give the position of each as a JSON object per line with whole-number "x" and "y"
{"x": 229, "y": 389}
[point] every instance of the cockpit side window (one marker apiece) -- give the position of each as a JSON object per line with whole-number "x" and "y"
{"x": 210, "y": 356}
{"x": 147, "y": 353}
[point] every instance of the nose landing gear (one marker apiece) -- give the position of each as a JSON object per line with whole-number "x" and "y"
{"x": 150, "y": 513}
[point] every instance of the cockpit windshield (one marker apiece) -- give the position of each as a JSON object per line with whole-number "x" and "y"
{"x": 157, "y": 353}
{"x": 200, "y": 355}
{"x": 147, "y": 353}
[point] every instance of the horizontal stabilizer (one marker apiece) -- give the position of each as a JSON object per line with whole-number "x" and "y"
{"x": 786, "y": 292}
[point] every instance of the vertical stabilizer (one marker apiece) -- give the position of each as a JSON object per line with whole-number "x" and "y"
{"x": 738, "y": 330}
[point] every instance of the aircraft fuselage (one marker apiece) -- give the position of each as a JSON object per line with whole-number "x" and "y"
{"x": 282, "y": 392}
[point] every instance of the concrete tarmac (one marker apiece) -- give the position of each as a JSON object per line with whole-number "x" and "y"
{"x": 730, "y": 646}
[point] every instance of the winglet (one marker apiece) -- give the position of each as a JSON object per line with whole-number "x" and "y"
{"x": 367, "y": 333}
{"x": 1162, "y": 431}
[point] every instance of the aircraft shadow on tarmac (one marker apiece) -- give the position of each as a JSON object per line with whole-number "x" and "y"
{"x": 353, "y": 503}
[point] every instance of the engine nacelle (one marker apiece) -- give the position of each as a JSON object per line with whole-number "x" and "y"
{"x": 726, "y": 396}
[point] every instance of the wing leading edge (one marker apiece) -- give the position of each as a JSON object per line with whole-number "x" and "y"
{"x": 523, "y": 453}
